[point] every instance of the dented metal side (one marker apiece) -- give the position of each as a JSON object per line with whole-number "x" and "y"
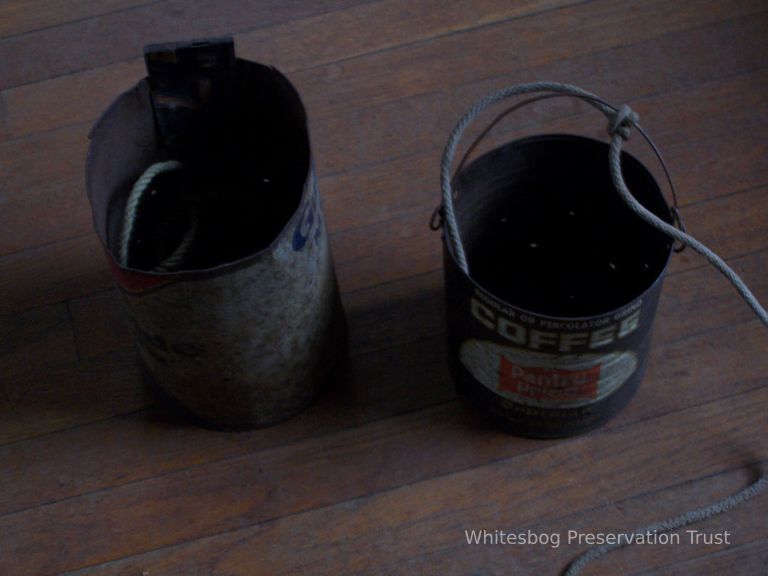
{"x": 250, "y": 347}
{"x": 243, "y": 344}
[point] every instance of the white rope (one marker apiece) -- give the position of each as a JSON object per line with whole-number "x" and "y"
{"x": 619, "y": 127}
{"x": 671, "y": 524}
{"x": 141, "y": 185}
{"x": 620, "y": 122}
{"x": 619, "y": 130}
{"x": 180, "y": 254}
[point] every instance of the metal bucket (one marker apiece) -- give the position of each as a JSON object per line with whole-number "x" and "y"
{"x": 550, "y": 327}
{"x": 244, "y": 330}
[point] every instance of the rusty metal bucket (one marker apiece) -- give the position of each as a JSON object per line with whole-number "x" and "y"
{"x": 243, "y": 327}
{"x": 549, "y": 323}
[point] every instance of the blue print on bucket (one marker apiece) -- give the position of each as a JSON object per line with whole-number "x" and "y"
{"x": 303, "y": 229}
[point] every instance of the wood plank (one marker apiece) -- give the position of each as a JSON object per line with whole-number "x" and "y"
{"x": 345, "y": 510}
{"x": 40, "y": 335}
{"x": 516, "y": 45}
{"x": 52, "y": 273}
{"x": 379, "y": 344}
{"x": 696, "y": 300}
{"x": 122, "y": 35}
{"x": 29, "y": 15}
{"x": 57, "y": 102}
{"x": 47, "y": 174}
{"x": 36, "y": 160}
{"x": 346, "y": 34}
{"x": 685, "y": 373}
{"x": 713, "y": 223}
{"x": 60, "y": 396}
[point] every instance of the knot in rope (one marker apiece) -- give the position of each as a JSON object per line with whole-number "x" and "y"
{"x": 621, "y": 121}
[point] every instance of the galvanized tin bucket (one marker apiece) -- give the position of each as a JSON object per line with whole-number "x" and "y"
{"x": 244, "y": 329}
{"x": 549, "y": 324}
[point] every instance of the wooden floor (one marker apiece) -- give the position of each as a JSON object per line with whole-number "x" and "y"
{"x": 386, "y": 473}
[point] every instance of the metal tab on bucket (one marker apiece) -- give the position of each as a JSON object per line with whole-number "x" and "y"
{"x": 549, "y": 327}
{"x": 242, "y": 330}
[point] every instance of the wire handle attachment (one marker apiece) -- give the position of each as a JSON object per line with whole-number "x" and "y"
{"x": 620, "y": 122}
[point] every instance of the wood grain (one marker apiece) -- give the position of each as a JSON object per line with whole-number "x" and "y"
{"x": 121, "y": 35}
{"x": 25, "y": 16}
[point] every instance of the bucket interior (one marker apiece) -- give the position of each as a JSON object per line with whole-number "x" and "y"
{"x": 243, "y": 175}
{"x": 544, "y": 229}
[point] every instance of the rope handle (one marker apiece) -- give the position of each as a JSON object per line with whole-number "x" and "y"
{"x": 179, "y": 255}
{"x": 620, "y": 120}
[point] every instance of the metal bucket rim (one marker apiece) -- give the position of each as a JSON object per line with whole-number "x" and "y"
{"x": 310, "y": 186}
{"x": 562, "y": 136}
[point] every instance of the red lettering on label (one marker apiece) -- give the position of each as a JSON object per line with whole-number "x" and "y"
{"x": 556, "y": 384}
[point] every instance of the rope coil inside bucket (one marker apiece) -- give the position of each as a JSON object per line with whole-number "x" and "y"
{"x": 142, "y": 184}
{"x": 621, "y": 121}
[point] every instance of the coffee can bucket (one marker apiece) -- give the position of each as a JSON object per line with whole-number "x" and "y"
{"x": 551, "y": 302}
{"x": 205, "y": 198}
